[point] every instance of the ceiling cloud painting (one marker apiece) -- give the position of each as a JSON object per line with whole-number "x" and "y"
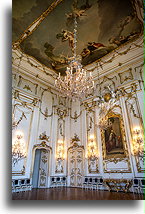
{"x": 102, "y": 26}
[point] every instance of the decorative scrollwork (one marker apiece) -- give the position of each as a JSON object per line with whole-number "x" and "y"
{"x": 118, "y": 184}
{"x": 43, "y": 144}
{"x": 43, "y": 136}
{"x": 76, "y": 116}
{"x": 45, "y": 113}
{"x": 61, "y": 112}
{"x": 16, "y": 123}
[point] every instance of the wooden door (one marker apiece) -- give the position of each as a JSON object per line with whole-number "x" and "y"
{"x": 75, "y": 166}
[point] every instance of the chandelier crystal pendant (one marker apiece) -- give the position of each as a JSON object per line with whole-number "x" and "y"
{"x": 77, "y": 83}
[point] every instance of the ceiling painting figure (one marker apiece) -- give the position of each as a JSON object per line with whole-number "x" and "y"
{"x": 102, "y": 27}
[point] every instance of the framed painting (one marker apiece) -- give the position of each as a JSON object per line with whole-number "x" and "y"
{"x": 114, "y": 145}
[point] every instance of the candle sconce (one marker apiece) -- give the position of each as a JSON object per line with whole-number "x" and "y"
{"x": 138, "y": 143}
{"x": 92, "y": 148}
{"x": 92, "y": 155}
{"x": 59, "y": 156}
{"x": 18, "y": 148}
{"x": 60, "y": 150}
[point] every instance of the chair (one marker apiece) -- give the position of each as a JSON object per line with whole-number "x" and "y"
{"x": 95, "y": 183}
{"x": 64, "y": 181}
{"x": 58, "y": 181}
{"x": 28, "y": 184}
{"x": 90, "y": 184}
{"x": 23, "y": 185}
{"x": 85, "y": 184}
{"x": 17, "y": 186}
{"x": 142, "y": 186}
{"x": 53, "y": 182}
{"x": 100, "y": 183}
{"x": 136, "y": 187}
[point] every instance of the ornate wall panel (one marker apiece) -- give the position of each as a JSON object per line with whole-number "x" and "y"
{"x": 46, "y": 112}
{"x": 24, "y": 112}
{"x": 75, "y": 116}
{"x": 27, "y": 85}
{"x": 125, "y": 76}
{"x": 135, "y": 122}
{"x": 139, "y": 72}
{"x": 60, "y": 137}
{"x": 91, "y": 133}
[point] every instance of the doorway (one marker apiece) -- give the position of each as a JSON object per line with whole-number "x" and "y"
{"x": 40, "y": 169}
{"x": 75, "y": 166}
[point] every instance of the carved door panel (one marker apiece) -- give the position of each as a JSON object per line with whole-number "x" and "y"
{"x": 76, "y": 167}
{"x": 43, "y": 169}
{"x": 79, "y": 167}
{"x": 72, "y": 167}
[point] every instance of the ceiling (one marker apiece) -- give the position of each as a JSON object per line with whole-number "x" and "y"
{"x": 102, "y": 27}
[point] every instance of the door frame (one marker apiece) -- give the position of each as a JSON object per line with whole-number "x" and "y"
{"x": 75, "y": 146}
{"x": 42, "y": 145}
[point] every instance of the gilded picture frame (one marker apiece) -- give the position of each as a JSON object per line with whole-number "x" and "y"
{"x": 119, "y": 152}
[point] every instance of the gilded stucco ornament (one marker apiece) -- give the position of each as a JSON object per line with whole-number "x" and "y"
{"x": 43, "y": 136}
{"x": 43, "y": 144}
{"x": 126, "y": 75}
{"x": 61, "y": 112}
{"x": 118, "y": 184}
{"x": 76, "y": 116}
{"x": 75, "y": 140}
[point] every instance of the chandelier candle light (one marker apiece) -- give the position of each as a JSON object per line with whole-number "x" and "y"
{"x": 76, "y": 84}
{"x": 60, "y": 150}
{"x": 92, "y": 149}
{"x": 138, "y": 143}
{"x": 18, "y": 148}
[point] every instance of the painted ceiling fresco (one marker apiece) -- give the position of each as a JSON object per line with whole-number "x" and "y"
{"x": 103, "y": 25}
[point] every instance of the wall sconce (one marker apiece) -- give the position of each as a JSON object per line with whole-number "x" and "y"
{"x": 60, "y": 150}
{"x": 59, "y": 156}
{"x": 138, "y": 143}
{"x": 92, "y": 149}
{"x": 18, "y": 148}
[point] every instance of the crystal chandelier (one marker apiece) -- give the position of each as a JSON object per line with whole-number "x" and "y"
{"x": 76, "y": 83}
{"x": 18, "y": 148}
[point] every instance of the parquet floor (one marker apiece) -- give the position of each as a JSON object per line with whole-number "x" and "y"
{"x": 73, "y": 194}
